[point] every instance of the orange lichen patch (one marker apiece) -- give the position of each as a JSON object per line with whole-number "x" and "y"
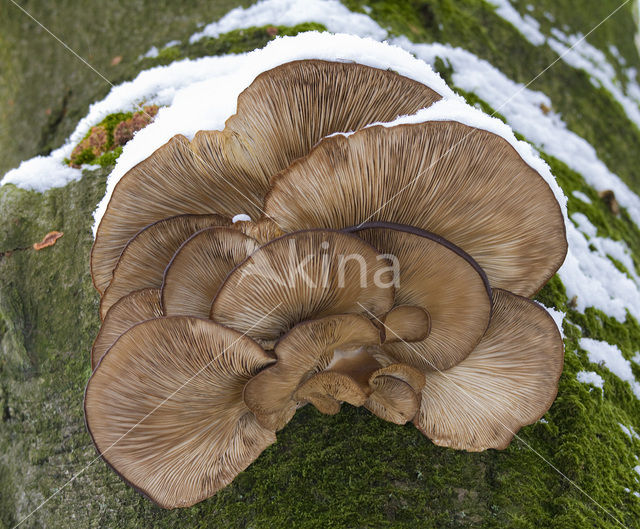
{"x": 125, "y": 130}
{"x": 48, "y": 240}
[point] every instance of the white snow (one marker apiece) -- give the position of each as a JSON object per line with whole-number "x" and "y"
{"x": 241, "y": 217}
{"x": 590, "y": 377}
{"x": 629, "y": 431}
{"x": 577, "y": 52}
{"x": 527, "y": 25}
{"x": 331, "y": 13}
{"x": 610, "y": 356}
{"x": 43, "y": 172}
{"x": 584, "y": 225}
{"x": 581, "y": 196}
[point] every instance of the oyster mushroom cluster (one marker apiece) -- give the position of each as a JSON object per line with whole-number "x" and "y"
{"x": 388, "y": 268}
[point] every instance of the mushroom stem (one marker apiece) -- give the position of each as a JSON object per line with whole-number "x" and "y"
{"x": 355, "y": 362}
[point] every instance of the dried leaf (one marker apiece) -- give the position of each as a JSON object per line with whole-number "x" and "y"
{"x": 49, "y": 240}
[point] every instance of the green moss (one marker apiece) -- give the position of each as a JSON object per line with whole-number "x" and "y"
{"x": 236, "y": 41}
{"x": 109, "y": 158}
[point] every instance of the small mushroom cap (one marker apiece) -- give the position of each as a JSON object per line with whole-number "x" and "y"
{"x": 303, "y": 275}
{"x": 146, "y": 255}
{"x": 396, "y": 392}
{"x": 199, "y": 267}
{"x": 125, "y": 313}
{"x": 228, "y": 171}
{"x": 508, "y": 381}
{"x": 306, "y": 349}
{"x": 164, "y": 408}
{"x": 467, "y": 185}
{"x": 338, "y": 386}
{"x": 441, "y": 278}
{"x": 408, "y": 323}
{"x": 393, "y": 400}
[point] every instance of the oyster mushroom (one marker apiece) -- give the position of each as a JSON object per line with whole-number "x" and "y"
{"x": 325, "y": 361}
{"x": 464, "y": 184}
{"x": 508, "y": 381}
{"x": 133, "y": 308}
{"x": 164, "y": 408}
{"x": 146, "y": 255}
{"x": 441, "y": 279}
{"x": 303, "y": 275}
{"x": 199, "y": 267}
{"x": 228, "y": 172}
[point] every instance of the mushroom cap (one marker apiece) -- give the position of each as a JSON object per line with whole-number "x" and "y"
{"x": 395, "y": 395}
{"x": 164, "y": 408}
{"x": 393, "y": 400}
{"x": 303, "y": 275}
{"x": 125, "y": 313}
{"x": 467, "y": 185}
{"x": 146, "y": 255}
{"x": 328, "y": 387}
{"x": 307, "y": 349}
{"x": 508, "y": 381}
{"x": 406, "y": 322}
{"x": 199, "y": 267}
{"x": 265, "y": 136}
{"x": 443, "y": 280}
{"x": 169, "y": 182}
{"x": 228, "y": 171}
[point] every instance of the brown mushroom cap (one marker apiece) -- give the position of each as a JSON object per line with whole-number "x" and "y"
{"x": 328, "y": 387}
{"x": 508, "y": 381}
{"x": 440, "y": 278}
{"x": 131, "y": 309}
{"x": 306, "y": 349}
{"x": 146, "y": 255}
{"x": 228, "y": 171}
{"x": 199, "y": 267}
{"x": 465, "y": 184}
{"x": 408, "y": 323}
{"x": 169, "y": 182}
{"x": 265, "y": 135}
{"x": 164, "y": 408}
{"x": 303, "y": 275}
{"x": 395, "y": 393}
{"x": 393, "y": 400}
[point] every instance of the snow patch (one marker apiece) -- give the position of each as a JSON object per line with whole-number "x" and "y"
{"x": 527, "y": 25}
{"x": 577, "y": 52}
{"x": 610, "y": 356}
{"x": 590, "y": 377}
{"x": 581, "y": 196}
{"x": 242, "y": 217}
{"x": 43, "y": 172}
{"x": 330, "y": 13}
{"x": 629, "y": 431}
